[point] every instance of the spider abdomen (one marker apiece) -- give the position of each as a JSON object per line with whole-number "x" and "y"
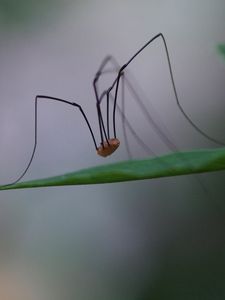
{"x": 108, "y": 147}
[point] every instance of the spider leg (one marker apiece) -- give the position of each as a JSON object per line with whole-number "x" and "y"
{"x": 186, "y": 116}
{"x": 39, "y": 97}
{"x": 98, "y": 102}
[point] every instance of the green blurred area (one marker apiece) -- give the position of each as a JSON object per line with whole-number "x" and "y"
{"x": 221, "y": 49}
{"x": 19, "y": 14}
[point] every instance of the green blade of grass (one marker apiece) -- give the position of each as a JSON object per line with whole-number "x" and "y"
{"x": 174, "y": 164}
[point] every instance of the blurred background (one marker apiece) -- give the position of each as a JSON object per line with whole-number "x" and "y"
{"x": 158, "y": 239}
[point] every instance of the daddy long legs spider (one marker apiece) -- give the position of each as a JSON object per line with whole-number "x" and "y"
{"x": 110, "y": 142}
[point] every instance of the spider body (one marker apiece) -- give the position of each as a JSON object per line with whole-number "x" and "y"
{"x": 108, "y": 147}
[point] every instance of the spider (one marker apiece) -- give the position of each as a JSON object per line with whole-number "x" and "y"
{"x": 109, "y": 144}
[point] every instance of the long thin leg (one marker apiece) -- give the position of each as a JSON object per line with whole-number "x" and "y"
{"x": 107, "y": 115}
{"x": 39, "y": 97}
{"x": 99, "y": 113}
{"x": 122, "y": 69}
{"x": 102, "y": 125}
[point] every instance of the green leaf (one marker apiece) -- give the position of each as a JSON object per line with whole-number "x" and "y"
{"x": 173, "y": 164}
{"x": 221, "y": 49}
